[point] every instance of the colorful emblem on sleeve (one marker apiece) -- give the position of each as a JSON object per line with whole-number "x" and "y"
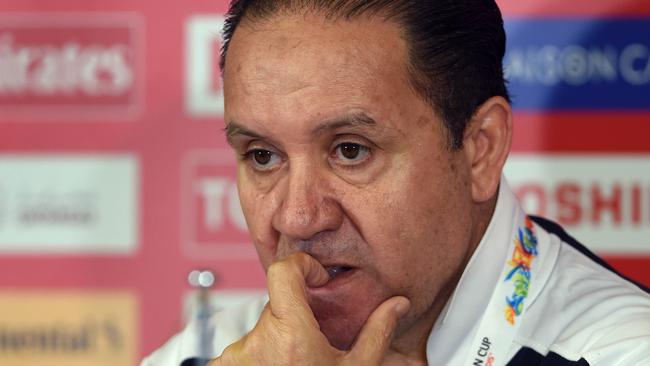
{"x": 522, "y": 258}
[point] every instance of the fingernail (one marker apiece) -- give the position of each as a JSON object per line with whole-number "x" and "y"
{"x": 402, "y": 306}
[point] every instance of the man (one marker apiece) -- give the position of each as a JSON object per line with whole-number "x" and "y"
{"x": 371, "y": 137}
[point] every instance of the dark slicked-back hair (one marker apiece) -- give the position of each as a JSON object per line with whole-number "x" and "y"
{"x": 455, "y": 47}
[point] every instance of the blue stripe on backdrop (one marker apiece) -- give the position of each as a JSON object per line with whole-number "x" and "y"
{"x": 578, "y": 63}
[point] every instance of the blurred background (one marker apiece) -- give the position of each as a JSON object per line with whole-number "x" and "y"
{"x": 116, "y": 181}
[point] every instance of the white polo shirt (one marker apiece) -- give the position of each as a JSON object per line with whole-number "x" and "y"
{"x": 530, "y": 295}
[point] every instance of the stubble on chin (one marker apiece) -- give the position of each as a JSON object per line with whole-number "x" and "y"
{"x": 337, "y": 322}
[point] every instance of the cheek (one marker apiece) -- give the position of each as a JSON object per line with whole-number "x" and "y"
{"x": 258, "y": 211}
{"x": 413, "y": 224}
{"x": 384, "y": 216}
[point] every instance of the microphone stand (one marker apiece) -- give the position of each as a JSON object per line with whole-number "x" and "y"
{"x": 203, "y": 282}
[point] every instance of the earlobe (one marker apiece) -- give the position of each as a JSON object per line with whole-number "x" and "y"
{"x": 486, "y": 143}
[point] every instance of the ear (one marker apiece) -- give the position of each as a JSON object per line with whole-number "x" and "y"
{"x": 486, "y": 144}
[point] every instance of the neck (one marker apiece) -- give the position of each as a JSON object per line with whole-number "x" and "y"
{"x": 409, "y": 346}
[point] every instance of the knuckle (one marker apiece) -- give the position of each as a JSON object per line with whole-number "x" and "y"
{"x": 378, "y": 342}
{"x": 387, "y": 328}
{"x": 272, "y": 274}
{"x": 282, "y": 270}
{"x": 227, "y": 358}
{"x": 276, "y": 270}
{"x": 297, "y": 260}
{"x": 382, "y": 334}
{"x": 246, "y": 351}
{"x": 243, "y": 352}
{"x": 251, "y": 345}
{"x": 390, "y": 323}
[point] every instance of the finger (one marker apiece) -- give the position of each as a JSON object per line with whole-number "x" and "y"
{"x": 228, "y": 357}
{"x": 287, "y": 281}
{"x": 232, "y": 356}
{"x": 236, "y": 354}
{"x": 377, "y": 333}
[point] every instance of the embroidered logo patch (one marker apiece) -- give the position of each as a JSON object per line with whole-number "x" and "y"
{"x": 522, "y": 257}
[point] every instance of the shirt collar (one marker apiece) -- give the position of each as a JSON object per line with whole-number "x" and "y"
{"x": 461, "y": 315}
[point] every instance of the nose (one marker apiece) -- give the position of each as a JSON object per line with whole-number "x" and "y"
{"x": 308, "y": 204}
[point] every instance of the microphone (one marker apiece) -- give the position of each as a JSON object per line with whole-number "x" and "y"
{"x": 202, "y": 280}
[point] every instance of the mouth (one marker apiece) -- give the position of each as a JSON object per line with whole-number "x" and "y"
{"x": 336, "y": 271}
{"x": 341, "y": 293}
{"x": 340, "y": 275}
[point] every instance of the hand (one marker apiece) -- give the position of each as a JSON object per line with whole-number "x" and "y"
{"x": 287, "y": 332}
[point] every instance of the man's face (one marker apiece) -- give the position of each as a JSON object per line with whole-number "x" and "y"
{"x": 341, "y": 159}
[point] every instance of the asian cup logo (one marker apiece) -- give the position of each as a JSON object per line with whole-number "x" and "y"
{"x": 520, "y": 274}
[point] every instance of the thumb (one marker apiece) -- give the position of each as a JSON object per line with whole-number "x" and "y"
{"x": 377, "y": 333}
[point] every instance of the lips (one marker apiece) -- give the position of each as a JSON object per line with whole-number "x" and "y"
{"x": 340, "y": 270}
{"x": 338, "y": 304}
{"x": 340, "y": 277}
{"x": 335, "y": 271}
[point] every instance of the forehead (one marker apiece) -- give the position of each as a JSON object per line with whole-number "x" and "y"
{"x": 308, "y": 65}
{"x": 335, "y": 42}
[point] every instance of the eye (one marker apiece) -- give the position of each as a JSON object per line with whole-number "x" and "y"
{"x": 262, "y": 159}
{"x": 350, "y": 153}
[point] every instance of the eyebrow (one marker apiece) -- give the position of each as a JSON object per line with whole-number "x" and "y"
{"x": 359, "y": 119}
{"x": 233, "y": 129}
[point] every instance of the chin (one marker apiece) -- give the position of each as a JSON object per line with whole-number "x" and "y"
{"x": 340, "y": 334}
{"x": 340, "y": 323}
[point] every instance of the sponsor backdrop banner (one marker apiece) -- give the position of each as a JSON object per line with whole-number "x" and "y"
{"x": 116, "y": 181}
{"x": 54, "y": 328}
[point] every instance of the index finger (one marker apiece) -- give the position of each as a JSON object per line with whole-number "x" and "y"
{"x": 287, "y": 281}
